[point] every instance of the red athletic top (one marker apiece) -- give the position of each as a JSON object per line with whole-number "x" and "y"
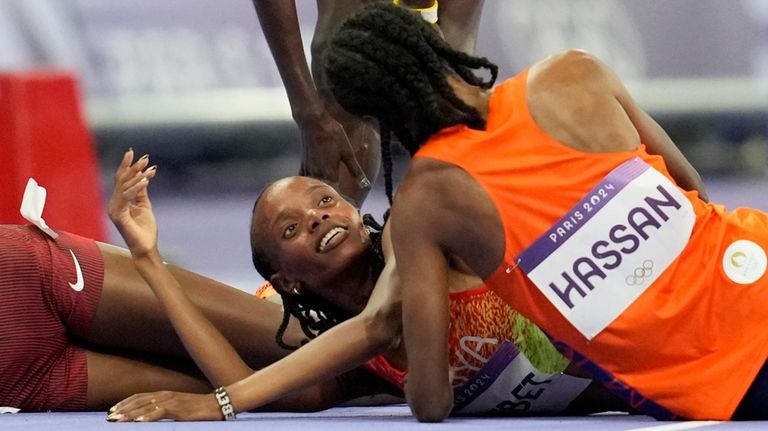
{"x": 694, "y": 340}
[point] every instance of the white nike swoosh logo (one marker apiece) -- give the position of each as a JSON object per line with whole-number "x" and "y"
{"x": 79, "y": 284}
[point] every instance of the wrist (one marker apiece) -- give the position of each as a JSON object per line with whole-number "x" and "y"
{"x": 310, "y": 112}
{"x": 149, "y": 257}
{"x": 225, "y": 404}
{"x": 426, "y": 8}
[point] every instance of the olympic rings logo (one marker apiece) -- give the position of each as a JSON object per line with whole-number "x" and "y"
{"x": 640, "y": 273}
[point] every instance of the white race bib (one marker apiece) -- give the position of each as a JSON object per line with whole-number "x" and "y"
{"x": 609, "y": 248}
{"x": 509, "y": 385}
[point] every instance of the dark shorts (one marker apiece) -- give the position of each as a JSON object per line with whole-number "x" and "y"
{"x": 44, "y": 301}
{"x": 754, "y": 405}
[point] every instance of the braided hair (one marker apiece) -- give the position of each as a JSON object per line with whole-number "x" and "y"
{"x": 386, "y": 62}
{"x": 314, "y": 313}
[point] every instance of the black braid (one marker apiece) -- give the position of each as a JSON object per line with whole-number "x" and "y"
{"x": 375, "y": 233}
{"x": 386, "y": 158}
{"x": 315, "y": 315}
{"x": 386, "y": 62}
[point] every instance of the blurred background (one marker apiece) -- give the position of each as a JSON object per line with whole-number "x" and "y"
{"x": 193, "y": 84}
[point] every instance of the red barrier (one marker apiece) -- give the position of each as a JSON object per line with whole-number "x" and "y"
{"x": 43, "y": 135}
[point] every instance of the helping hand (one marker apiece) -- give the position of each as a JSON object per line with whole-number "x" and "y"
{"x": 129, "y": 207}
{"x": 150, "y": 407}
{"x": 325, "y": 144}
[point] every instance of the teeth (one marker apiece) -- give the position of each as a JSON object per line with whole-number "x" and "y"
{"x": 327, "y": 238}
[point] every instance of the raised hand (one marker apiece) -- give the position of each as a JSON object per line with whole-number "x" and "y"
{"x": 150, "y": 407}
{"x": 129, "y": 207}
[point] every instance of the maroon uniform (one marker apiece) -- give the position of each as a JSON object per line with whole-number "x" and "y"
{"x": 49, "y": 290}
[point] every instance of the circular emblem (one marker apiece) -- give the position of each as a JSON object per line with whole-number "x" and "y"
{"x": 640, "y": 273}
{"x": 744, "y": 262}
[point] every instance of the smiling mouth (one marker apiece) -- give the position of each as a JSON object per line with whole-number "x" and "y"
{"x": 330, "y": 240}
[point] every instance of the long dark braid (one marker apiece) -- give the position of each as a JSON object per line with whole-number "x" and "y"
{"x": 386, "y": 62}
{"x": 315, "y": 314}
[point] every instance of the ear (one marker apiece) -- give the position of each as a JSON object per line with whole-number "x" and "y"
{"x": 285, "y": 284}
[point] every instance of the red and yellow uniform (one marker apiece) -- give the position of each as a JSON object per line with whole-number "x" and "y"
{"x": 480, "y": 322}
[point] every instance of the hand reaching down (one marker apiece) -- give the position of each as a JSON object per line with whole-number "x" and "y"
{"x": 325, "y": 147}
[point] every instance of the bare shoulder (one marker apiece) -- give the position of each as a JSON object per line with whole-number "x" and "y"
{"x": 419, "y": 205}
{"x": 569, "y": 67}
{"x": 442, "y": 204}
{"x": 427, "y": 188}
{"x": 574, "y": 98}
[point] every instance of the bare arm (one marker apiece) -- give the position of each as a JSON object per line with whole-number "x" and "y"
{"x": 324, "y": 141}
{"x": 131, "y": 211}
{"x": 339, "y": 350}
{"x": 580, "y": 101}
{"x": 658, "y": 142}
{"x": 336, "y": 351}
{"x": 422, "y": 270}
{"x": 280, "y": 24}
{"x": 374, "y": 331}
{"x": 655, "y": 138}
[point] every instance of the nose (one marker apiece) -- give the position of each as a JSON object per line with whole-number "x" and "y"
{"x": 315, "y": 218}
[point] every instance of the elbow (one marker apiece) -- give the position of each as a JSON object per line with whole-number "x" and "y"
{"x": 430, "y": 409}
{"x": 384, "y": 329}
{"x": 429, "y": 405}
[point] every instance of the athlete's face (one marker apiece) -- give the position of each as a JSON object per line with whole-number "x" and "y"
{"x": 311, "y": 233}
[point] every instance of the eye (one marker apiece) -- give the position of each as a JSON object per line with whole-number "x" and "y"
{"x": 289, "y": 230}
{"x": 325, "y": 200}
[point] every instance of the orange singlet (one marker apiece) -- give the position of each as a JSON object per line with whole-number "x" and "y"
{"x": 694, "y": 334}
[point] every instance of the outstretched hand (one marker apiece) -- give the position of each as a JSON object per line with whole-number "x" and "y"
{"x": 150, "y": 407}
{"x": 129, "y": 207}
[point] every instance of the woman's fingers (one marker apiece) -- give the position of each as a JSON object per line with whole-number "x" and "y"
{"x": 139, "y": 408}
{"x": 124, "y": 168}
{"x": 128, "y": 168}
{"x": 131, "y": 188}
{"x": 142, "y": 195}
{"x": 131, "y": 180}
{"x": 165, "y": 405}
{"x": 129, "y": 177}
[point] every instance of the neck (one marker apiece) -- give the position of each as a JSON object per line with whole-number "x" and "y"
{"x": 354, "y": 286}
{"x": 472, "y": 95}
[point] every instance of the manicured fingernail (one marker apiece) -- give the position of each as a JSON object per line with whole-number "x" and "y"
{"x": 144, "y": 156}
{"x": 151, "y": 168}
{"x": 112, "y": 409}
{"x": 114, "y": 417}
{"x": 130, "y": 149}
{"x": 139, "y": 419}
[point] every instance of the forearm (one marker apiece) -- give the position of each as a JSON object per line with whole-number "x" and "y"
{"x": 337, "y": 351}
{"x": 658, "y": 142}
{"x": 655, "y": 138}
{"x": 330, "y": 393}
{"x": 210, "y": 350}
{"x": 428, "y": 389}
{"x": 422, "y": 269}
{"x": 280, "y": 24}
